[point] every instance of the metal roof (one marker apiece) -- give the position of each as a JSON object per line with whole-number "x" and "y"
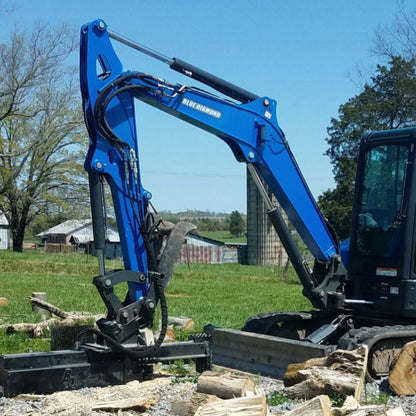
{"x": 66, "y": 228}
{"x": 80, "y": 230}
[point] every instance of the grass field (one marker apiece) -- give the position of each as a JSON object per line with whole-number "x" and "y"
{"x": 223, "y": 295}
{"x": 223, "y": 236}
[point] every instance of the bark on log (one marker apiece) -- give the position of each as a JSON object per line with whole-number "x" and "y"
{"x": 402, "y": 378}
{"x": 372, "y": 410}
{"x": 341, "y": 372}
{"x": 38, "y": 329}
{"x": 37, "y": 309}
{"x": 48, "y": 306}
{"x": 199, "y": 399}
{"x": 318, "y": 406}
{"x": 241, "y": 406}
{"x": 225, "y": 386}
{"x": 181, "y": 322}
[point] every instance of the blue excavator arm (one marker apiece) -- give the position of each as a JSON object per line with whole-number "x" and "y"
{"x": 246, "y": 122}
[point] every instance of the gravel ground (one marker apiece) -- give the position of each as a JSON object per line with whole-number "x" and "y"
{"x": 165, "y": 389}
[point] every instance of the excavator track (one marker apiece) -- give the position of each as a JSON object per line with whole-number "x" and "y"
{"x": 384, "y": 345}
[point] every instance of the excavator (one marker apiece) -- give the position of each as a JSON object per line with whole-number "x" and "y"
{"x": 363, "y": 290}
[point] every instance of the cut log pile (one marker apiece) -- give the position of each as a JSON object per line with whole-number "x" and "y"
{"x": 234, "y": 395}
{"x": 220, "y": 394}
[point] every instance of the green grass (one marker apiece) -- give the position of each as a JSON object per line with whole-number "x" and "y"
{"x": 223, "y": 236}
{"x": 223, "y": 295}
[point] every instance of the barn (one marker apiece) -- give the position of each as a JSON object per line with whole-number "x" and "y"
{"x": 199, "y": 249}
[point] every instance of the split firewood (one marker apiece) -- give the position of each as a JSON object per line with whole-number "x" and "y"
{"x": 341, "y": 372}
{"x": 318, "y": 406}
{"x": 199, "y": 399}
{"x": 253, "y": 405}
{"x": 402, "y": 378}
{"x": 141, "y": 404}
{"x": 224, "y": 386}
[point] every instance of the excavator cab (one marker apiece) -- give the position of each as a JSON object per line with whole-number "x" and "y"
{"x": 381, "y": 264}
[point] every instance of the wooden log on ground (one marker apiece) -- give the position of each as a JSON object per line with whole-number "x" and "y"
{"x": 371, "y": 410}
{"x": 141, "y": 404}
{"x": 402, "y": 378}
{"x": 42, "y": 304}
{"x": 37, "y": 309}
{"x": 318, "y": 406}
{"x": 225, "y": 386}
{"x": 199, "y": 399}
{"x": 181, "y": 322}
{"x": 4, "y": 301}
{"x": 341, "y": 372}
{"x": 253, "y": 405}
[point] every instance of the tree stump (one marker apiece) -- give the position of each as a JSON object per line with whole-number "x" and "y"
{"x": 225, "y": 386}
{"x": 402, "y": 378}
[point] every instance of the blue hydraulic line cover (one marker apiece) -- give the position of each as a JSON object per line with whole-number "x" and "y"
{"x": 250, "y": 129}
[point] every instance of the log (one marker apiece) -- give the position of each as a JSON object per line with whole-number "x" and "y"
{"x": 41, "y": 303}
{"x": 199, "y": 399}
{"x": 141, "y": 404}
{"x": 39, "y": 328}
{"x": 224, "y": 386}
{"x": 341, "y": 372}
{"x": 318, "y": 406}
{"x": 4, "y": 302}
{"x": 371, "y": 410}
{"x": 253, "y": 405}
{"x": 37, "y": 309}
{"x": 181, "y": 322}
{"x": 402, "y": 378}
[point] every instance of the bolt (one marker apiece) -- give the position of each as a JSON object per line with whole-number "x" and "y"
{"x": 108, "y": 282}
{"x": 101, "y": 25}
{"x": 124, "y": 316}
{"x": 266, "y": 102}
{"x": 150, "y": 304}
{"x": 251, "y": 155}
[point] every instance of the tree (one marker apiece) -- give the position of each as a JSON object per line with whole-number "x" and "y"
{"x": 41, "y": 128}
{"x": 388, "y": 101}
{"x": 400, "y": 37}
{"x": 237, "y": 225}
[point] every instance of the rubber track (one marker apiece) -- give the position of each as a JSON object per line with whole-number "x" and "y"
{"x": 370, "y": 335}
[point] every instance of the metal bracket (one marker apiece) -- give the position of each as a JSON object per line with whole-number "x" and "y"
{"x": 91, "y": 365}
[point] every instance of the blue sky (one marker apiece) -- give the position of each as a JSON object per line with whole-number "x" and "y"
{"x": 303, "y": 53}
